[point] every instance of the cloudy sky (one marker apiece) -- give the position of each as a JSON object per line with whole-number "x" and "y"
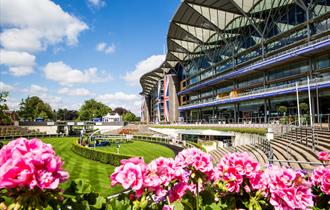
{"x": 69, "y": 51}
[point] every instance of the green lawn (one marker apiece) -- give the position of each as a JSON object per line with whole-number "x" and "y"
{"x": 98, "y": 173}
{"x": 147, "y": 150}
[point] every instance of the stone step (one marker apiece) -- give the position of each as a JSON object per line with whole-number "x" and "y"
{"x": 296, "y": 156}
{"x": 262, "y": 156}
{"x": 322, "y": 144}
{"x": 255, "y": 154}
{"x": 279, "y": 154}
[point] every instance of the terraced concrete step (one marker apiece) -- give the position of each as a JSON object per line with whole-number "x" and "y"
{"x": 297, "y": 156}
{"x": 262, "y": 156}
{"x": 321, "y": 144}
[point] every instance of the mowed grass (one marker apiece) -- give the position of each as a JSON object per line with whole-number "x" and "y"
{"x": 98, "y": 173}
{"x": 148, "y": 151}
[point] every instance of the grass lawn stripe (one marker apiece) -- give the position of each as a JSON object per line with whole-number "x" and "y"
{"x": 98, "y": 173}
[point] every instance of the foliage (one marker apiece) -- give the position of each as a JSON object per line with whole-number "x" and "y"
{"x": 79, "y": 195}
{"x": 129, "y": 117}
{"x": 33, "y": 107}
{"x": 259, "y": 131}
{"x": 64, "y": 114}
{"x": 93, "y": 109}
{"x": 304, "y": 107}
{"x": 4, "y": 118}
{"x": 282, "y": 109}
{"x": 191, "y": 182}
{"x": 97, "y": 155}
{"x": 120, "y": 110}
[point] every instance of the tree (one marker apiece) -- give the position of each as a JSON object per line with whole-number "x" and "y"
{"x": 120, "y": 110}
{"x": 64, "y": 114}
{"x": 93, "y": 109}
{"x": 4, "y": 118}
{"x": 304, "y": 107}
{"x": 282, "y": 109}
{"x": 33, "y": 107}
{"x": 129, "y": 117}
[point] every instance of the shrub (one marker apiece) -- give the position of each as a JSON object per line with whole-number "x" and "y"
{"x": 101, "y": 156}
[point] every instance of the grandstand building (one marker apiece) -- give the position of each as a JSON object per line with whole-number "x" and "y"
{"x": 240, "y": 60}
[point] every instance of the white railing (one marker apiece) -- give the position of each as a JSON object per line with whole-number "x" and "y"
{"x": 301, "y": 84}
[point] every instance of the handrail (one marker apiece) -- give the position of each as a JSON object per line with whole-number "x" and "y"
{"x": 310, "y": 43}
{"x": 291, "y": 85}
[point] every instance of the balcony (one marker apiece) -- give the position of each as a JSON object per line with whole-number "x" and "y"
{"x": 262, "y": 93}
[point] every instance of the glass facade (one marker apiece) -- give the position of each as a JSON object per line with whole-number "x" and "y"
{"x": 237, "y": 67}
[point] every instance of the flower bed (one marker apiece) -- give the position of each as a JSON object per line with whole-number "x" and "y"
{"x": 30, "y": 174}
{"x": 97, "y": 155}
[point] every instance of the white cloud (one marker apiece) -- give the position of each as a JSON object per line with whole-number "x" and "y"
{"x": 13, "y": 103}
{"x": 32, "y": 26}
{"x": 5, "y": 87}
{"x": 96, "y": 3}
{"x": 74, "y": 91}
{"x": 120, "y": 99}
{"x": 36, "y": 90}
{"x": 144, "y": 66}
{"x": 43, "y": 93}
{"x": 66, "y": 75}
{"x": 19, "y": 63}
{"x": 104, "y": 47}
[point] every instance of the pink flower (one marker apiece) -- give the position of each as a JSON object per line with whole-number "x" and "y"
{"x": 168, "y": 207}
{"x": 232, "y": 169}
{"x": 178, "y": 191}
{"x": 321, "y": 178}
{"x": 324, "y": 156}
{"x": 287, "y": 188}
{"x": 232, "y": 179}
{"x": 129, "y": 175}
{"x": 163, "y": 171}
{"x": 325, "y": 184}
{"x": 30, "y": 163}
{"x": 159, "y": 195}
{"x": 195, "y": 159}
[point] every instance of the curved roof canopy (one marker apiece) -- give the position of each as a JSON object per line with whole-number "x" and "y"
{"x": 199, "y": 23}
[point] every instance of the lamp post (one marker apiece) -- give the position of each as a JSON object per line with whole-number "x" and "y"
{"x": 298, "y": 110}
{"x": 310, "y": 102}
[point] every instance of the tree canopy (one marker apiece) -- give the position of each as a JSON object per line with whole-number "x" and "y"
{"x": 33, "y": 107}
{"x": 129, "y": 117}
{"x": 4, "y": 118}
{"x": 65, "y": 114}
{"x": 120, "y": 110}
{"x": 93, "y": 109}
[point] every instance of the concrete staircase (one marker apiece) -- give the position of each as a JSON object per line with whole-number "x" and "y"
{"x": 291, "y": 149}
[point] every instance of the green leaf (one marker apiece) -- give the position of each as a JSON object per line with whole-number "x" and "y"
{"x": 178, "y": 205}
{"x": 100, "y": 201}
{"x": 83, "y": 186}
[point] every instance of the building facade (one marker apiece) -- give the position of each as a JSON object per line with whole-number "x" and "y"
{"x": 243, "y": 61}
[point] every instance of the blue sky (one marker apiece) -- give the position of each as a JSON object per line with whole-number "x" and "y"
{"x": 68, "y": 51}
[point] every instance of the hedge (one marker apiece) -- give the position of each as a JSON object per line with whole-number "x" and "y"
{"x": 259, "y": 131}
{"x": 101, "y": 156}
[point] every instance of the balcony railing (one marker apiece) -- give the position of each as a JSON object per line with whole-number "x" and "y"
{"x": 259, "y": 92}
{"x": 295, "y": 51}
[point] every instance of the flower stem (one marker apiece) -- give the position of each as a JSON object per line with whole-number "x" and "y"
{"x": 197, "y": 196}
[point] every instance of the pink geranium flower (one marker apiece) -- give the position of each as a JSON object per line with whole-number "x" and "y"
{"x": 287, "y": 188}
{"x": 233, "y": 168}
{"x": 195, "y": 159}
{"x": 130, "y": 174}
{"x": 30, "y": 163}
{"x": 324, "y": 156}
{"x": 321, "y": 177}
